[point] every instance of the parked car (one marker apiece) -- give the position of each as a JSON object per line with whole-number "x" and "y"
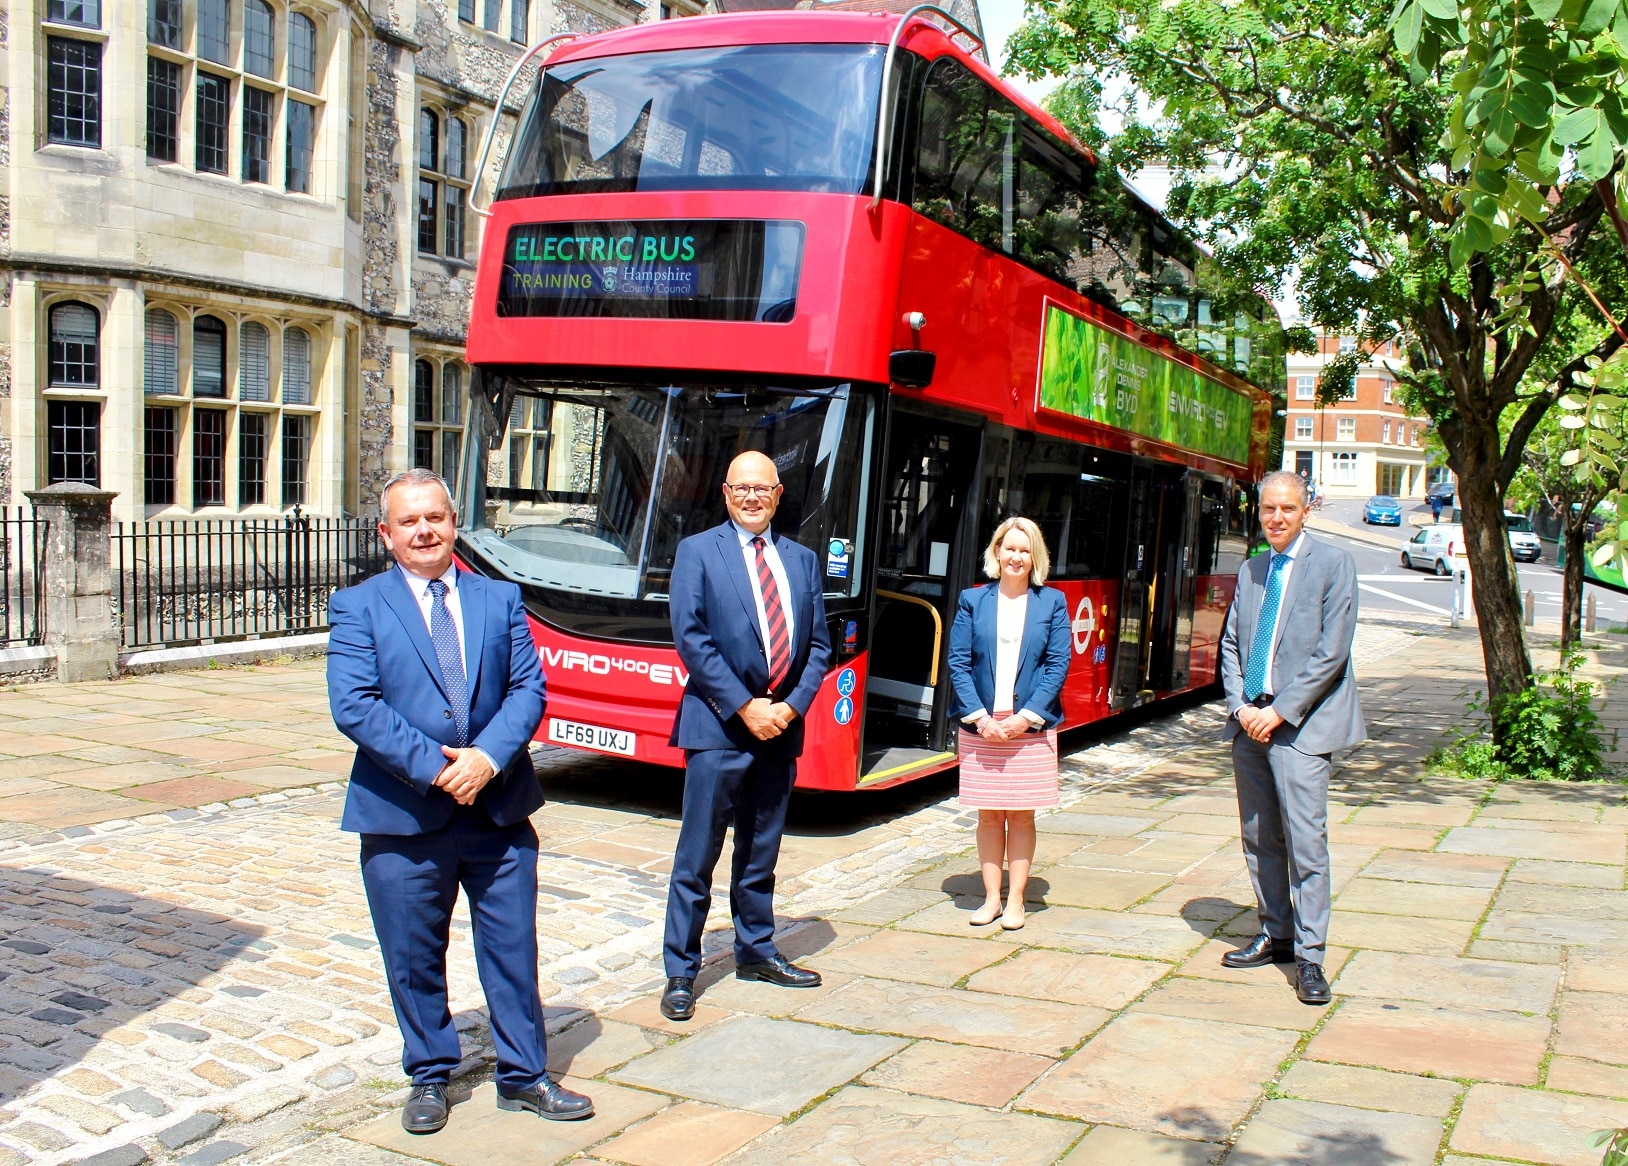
{"x": 1382, "y": 510}
{"x": 1434, "y": 548}
{"x": 1524, "y": 543}
{"x": 1442, "y": 490}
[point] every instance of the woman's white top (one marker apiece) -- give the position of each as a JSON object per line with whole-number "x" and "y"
{"x": 1010, "y": 612}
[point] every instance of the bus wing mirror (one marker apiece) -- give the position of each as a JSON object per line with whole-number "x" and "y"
{"x": 911, "y": 368}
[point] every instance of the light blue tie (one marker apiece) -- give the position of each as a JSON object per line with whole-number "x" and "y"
{"x": 444, "y": 635}
{"x": 1265, "y": 627}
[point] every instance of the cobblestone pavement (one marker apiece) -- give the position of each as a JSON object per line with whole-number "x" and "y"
{"x": 198, "y": 983}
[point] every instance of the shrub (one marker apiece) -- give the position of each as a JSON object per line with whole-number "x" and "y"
{"x": 1547, "y": 732}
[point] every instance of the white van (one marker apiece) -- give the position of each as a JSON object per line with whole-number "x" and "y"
{"x": 1435, "y": 548}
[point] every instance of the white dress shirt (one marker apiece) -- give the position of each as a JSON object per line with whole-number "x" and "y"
{"x": 1288, "y": 569}
{"x": 426, "y": 605}
{"x": 1011, "y": 616}
{"x": 778, "y": 570}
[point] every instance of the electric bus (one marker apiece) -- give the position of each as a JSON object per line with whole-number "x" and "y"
{"x": 838, "y": 238}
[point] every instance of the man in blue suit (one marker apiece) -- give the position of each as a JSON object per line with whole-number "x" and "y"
{"x": 748, "y": 616}
{"x": 433, "y": 673}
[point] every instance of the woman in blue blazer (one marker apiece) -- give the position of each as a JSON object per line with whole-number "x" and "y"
{"x": 1009, "y": 655}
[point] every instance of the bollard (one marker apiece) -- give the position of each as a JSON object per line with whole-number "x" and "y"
{"x": 1531, "y": 609}
{"x": 1588, "y": 614}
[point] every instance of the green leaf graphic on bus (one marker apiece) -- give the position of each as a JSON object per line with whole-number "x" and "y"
{"x": 1092, "y": 373}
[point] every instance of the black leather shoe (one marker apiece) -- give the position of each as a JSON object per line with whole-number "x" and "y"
{"x": 678, "y": 1002}
{"x": 548, "y": 1098}
{"x": 1262, "y": 950}
{"x": 1310, "y": 986}
{"x": 426, "y": 1109}
{"x": 778, "y": 971}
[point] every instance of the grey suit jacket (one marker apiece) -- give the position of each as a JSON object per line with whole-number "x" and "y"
{"x": 1314, "y": 689}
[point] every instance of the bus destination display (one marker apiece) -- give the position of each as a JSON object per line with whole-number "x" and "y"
{"x": 696, "y": 269}
{"x": 1090, "y": 372}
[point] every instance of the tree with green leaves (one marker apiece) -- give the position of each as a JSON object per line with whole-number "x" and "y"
{"x": 1301, "y": 141}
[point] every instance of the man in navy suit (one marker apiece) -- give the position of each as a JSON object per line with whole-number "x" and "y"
{"x": 749, "y": 622}
{"x": 433, "y": 673}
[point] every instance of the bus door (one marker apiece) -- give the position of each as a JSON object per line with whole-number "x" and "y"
{"x": 1156, "y": 602}
{"x": 928, "y": 477}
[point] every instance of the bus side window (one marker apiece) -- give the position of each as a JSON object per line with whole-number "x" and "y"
{"x": 963, "y": 155}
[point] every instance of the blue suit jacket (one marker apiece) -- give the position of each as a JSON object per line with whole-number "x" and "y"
{"x": 384, "y": 687}
{"x": 1047, "y": 652}
{"x": 716, "y": 631}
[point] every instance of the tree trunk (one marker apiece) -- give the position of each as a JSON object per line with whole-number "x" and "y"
{"x": 1497, "y": 591}
{"x": 1575, "y": 536}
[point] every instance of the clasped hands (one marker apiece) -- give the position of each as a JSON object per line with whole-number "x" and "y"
{"x": 766, "y": 720}
{"x": 466, "y": 773}
{"x": 1259, "y": 723}
{"x": 1009, "y": 729}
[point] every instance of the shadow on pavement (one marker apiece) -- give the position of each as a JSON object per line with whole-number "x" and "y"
{"x": 79, "y": 961}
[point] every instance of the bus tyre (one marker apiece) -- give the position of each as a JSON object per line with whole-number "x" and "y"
{"x": 1441, "y": 569}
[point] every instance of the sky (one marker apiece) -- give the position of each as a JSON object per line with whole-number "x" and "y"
{"x": 1001, "y": 18}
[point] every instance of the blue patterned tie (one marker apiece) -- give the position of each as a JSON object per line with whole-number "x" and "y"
{"x": 1265, "y": 627}
{"x": 444, "y": 634}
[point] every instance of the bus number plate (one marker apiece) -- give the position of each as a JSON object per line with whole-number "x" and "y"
{"x": 590, "y": 737}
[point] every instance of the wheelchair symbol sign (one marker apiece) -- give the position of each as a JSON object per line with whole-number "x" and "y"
{"x": 845, "y": 682}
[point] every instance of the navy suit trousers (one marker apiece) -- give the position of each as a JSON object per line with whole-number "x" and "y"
{"x": 720, "y": 786}
{"x": 412, "y": 882}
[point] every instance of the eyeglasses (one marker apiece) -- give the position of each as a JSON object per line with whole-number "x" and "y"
{"x": 743, "y": 491}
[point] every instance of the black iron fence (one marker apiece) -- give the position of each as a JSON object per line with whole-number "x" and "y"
{"x": 183, "y": 582}
{"x": 22, "y": 578}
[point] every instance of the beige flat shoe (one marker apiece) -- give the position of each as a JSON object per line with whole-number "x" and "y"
{"x": 985, "y": 915}
{"x": 1012, "y": 920}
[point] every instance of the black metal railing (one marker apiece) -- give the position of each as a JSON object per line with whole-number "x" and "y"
{"x": 22, "y": 578}
{"x": 182, "y": 582}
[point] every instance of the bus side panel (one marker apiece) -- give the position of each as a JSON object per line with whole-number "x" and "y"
{"x": 1213, "y": 596}
{"x": 1093, "y": 606}
{"x": 614, "y": 686}
{"x": 830, "y": 759}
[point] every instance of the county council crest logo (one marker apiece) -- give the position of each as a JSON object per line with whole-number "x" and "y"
{"x": 607, "y": 279}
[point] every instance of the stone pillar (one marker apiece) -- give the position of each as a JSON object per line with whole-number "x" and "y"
{"x": 79, "y": 621}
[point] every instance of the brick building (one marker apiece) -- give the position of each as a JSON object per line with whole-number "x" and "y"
{"x": 236, "y": 249}
{"x": 1365, "y": 443}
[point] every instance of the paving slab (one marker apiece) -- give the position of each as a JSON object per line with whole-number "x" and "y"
{"x": 754, "y": 996}
{"x": 1108, "y": 825}
{"x": 1111, "y": 890}
{"x": 977, "y": 1076}
{"x": 1310, "y": 1133}
{"x": 1165, "y": 1075}
{"x": 1482, "y": 983}
{"x": 478, "y": 1133}
{"x": 1534, "y": 1126}
{"x": 1600, "y": 848}
{"x": 1564, "y": 874}
{"x": 687, "y": 1134}
{"x": 1370, "y": 1089}
{"x": 915, "y": 956}
{"x": 1422, "y": 900}
{"x": 877, "y": 1127}
{"x": 1575, "y": 1075}
{"x": 1112, "y": 1146}
{"x": 1112, "y": 933}
{"x": 957, "y": 1016}
{"x": 756, "y": 1063}
{"x": 1408, "y": 1037}
{"x": 1593, "y": 1025}
{"x": 1413, "y": 866}
{"x": 1267, "y": 1005}
{"x": 1542, "y": 927}
{"x": 1102, "y": 981}
{"x": 1399, "y": 932}
{"x": 1594, "y": 970}
{"x": 595, "y": 1045}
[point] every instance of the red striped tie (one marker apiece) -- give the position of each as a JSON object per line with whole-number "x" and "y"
{"x": 779, "y": 641}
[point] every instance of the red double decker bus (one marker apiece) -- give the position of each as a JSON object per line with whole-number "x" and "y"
{"x": 838, "y": 238}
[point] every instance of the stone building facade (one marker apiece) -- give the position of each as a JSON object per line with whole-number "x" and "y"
{"x": 236, "y": 246}
{"x": 1363, "y": 444}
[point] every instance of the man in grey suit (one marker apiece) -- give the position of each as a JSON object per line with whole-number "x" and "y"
{"x": 1291, "y": 702}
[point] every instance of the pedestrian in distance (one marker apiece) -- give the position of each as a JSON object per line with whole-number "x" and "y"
{"x": 1010, "y": 647}
{"x": 748, "y": 614}
{"x": 1291, "y": 703}
{"x": 433, "y": 674}
{"x": 1435, "y": 507}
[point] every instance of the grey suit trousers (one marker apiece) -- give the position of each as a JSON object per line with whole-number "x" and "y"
{"x": 1283, "y": 809}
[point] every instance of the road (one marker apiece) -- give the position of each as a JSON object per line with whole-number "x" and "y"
{"x": 1388, "y": 586}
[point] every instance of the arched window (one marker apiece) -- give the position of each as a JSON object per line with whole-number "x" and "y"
{"x": 161, "y": 352}
{"x": 296, "y": 367}
{"x": 455, "y": 148}
{"x": 259, "y": 39}
{"x": 254, "y": 363}
{"x": 208, "y": 357}
{"x": 423, "y": 391}
{"x": 73, "y": 345}
{"x": 452, "y": 394}
{"x": 429, "y": 139}
{"x": 302, "y": 52}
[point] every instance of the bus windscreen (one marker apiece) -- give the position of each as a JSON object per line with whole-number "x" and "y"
{"x": 747, "y": 117}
